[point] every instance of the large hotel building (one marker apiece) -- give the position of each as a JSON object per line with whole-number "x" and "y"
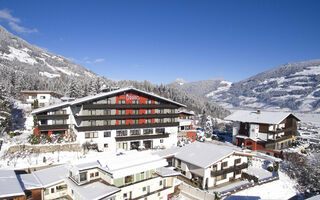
{"x": 125, "y": 118}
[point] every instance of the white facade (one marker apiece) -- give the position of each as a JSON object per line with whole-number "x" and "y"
{"x": 43, "y": 98}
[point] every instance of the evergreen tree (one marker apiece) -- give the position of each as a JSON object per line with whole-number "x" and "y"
{"x": 5, "y": 113}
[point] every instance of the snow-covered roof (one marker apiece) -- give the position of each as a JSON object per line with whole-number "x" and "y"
{"x": 186, "y": 112}
{"x": 167, "y": 152}
{"x": 92, "y": 191}
{"x": 87, "y": 165}
{"x": 204, "y": 154}
{"x": 101, "y": 95}
{"x": 52, "y": 175}
{"x": 124, "y": 165}
{"x": 9, "y": 184}
{"x": 262, "y": 117}
{"x": 40, "y": 92}
{"x": 53, "y": 106}
{"x": 166, "y": 172}
{"x": 29, "y": 181}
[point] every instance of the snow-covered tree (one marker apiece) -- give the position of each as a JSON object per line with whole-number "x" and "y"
{"x": 5, "y": 113}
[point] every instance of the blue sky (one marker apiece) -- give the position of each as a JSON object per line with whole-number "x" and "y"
{"x": 163, "y": 40}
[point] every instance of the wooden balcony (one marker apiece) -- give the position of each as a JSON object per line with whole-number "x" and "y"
{"x": 126, "y": 126}
{"x": 110, "y": 117}
{"x": 141, "y": 137}
{"x": 53, "y": 127}
{"x": 229, "y": 170}
{"x": 40, "y": 117}
{"x": 129, "y": 106}
{"x": 282, "y": 130}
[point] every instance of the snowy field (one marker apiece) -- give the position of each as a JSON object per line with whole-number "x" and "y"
{"x": 284, "y": 188}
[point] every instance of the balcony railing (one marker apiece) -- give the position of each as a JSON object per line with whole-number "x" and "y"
{"x": 229, "y": 170}
{"x": 141, "y": 137}
{"x": 64, "y": 116}
{"x": 281, "y": 130}
{"x": 129, "y": 106}
{"x": 126, "y": 126}
{"x": 131, "y": 116}
{"x": 53, "y": 127}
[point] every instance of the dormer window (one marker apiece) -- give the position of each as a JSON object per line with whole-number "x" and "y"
{"x": 83, "y": 176}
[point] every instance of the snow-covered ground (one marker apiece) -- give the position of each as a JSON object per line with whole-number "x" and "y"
{"x": 284, "y": 188}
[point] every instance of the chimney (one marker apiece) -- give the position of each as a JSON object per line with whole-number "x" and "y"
{"x": 258, "y": 111}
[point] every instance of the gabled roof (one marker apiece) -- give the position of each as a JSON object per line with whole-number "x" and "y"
{"x": 92, "y": 191}
{"x": 9, "y": 184}
{"x": 262, "y": 117}
{"x": 29, "y": 181}
{"x": 102, "y": 95}
{"x": 52, "y": 175}
{"x": 124, "y": 165}
{"x": 41, "y": 92}
{"x": 205, "y": 154}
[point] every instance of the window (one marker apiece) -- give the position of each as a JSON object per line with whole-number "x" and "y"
{"x": 122, "y": 112}
{"x": 160, "y": 120}
{"x": 135, "y": 121}
{"x": 179, "y": 163}
{"x": 92, "y": 112}
{"x": 125, "y": 195}
{"x": 128, "y": 179}
{"x": 148, "y": 111}
{"x": 148, "y": 121}
{"x": 96, "y": 174}
{"x": 92, "y": 123}
{"x": 121, "y": 133}
{"x": 160, "y": 130}
{"x": 224, "y": 165}
{"x": 148, "y": 131}
{"x": 59, "y": 121}
{"x": 91, "y": 135}
{"x": 107, "y": 112}
{"x": 173, "y": 111}
{"x": 160, "y": 183}
{"x": 52, "y": 190}
{"x": 144, "y": 189}
{"x": 106, "y": 145}
{"x": 61, "y": 187}
{"x": 161, "y": 140}
{"x": 223, "y": 176}
{"x": 135, "y": 132}
{"x": 148, "y": 102}
{"x": 106, "y": 122}
{"x": 91, "y": 175}
{"x": 122, "y": 101}
{"x": 159, "y": 194}
{"x": 214, "y": 168}
{"x": 237, "y": 172}
{"x": 107, "y": 134}
{"x": 237, "y": 161}
{"x": 160, "y": 111}
{"x": 41, "y": 104}
{"x": 59, "y": 112}
{"x": 135, "y": 112}
{"x": 83, "y": 176}
{"x": 121, "y": 122}
{"x": 42, "y": 97}
{"x": 135, "y": 101}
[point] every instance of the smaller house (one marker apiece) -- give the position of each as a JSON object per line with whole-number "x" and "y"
{"x": 207, "y": 165}
{"x": 10, "y": 187}
{"x": 44, "y": 98}
{"x": 263, "y": 131}
{"x": 186, "y": 129}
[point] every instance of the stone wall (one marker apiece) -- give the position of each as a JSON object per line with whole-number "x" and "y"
{"x": 45, "y": 148}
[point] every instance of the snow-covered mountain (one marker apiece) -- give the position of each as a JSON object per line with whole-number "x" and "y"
{"x": 201, "y": 88}
{"x": 20, "y": 55}
{"x": 293, "y": 86}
